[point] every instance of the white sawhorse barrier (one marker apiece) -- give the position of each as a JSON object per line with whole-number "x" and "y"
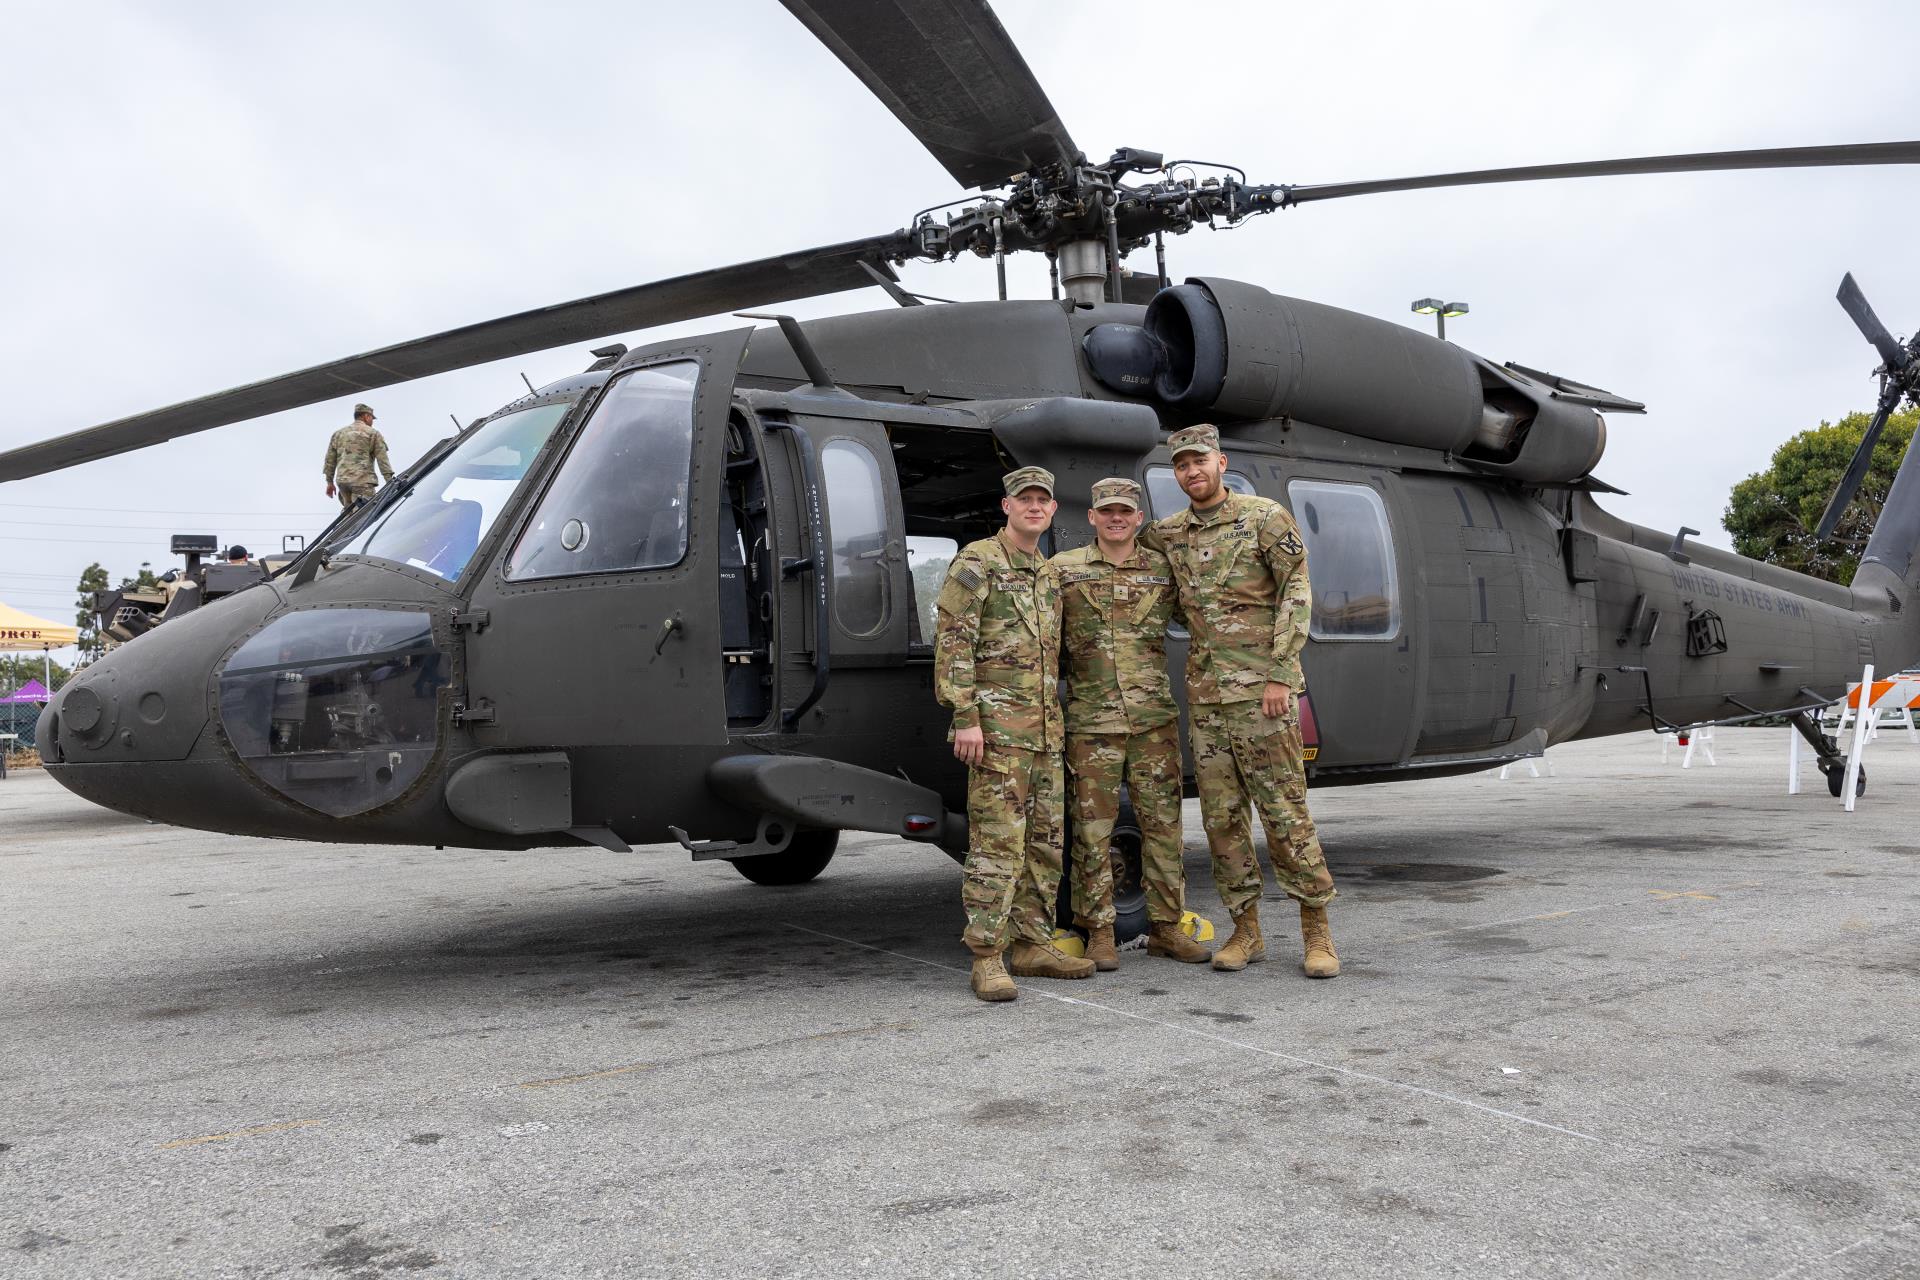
{"x": 1700, "y": 739}
{"x": 1864, "y": 704}
{"x": 1533, "y": 764}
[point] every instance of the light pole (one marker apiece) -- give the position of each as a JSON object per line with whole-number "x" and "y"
{"x": 1440, "y": 311}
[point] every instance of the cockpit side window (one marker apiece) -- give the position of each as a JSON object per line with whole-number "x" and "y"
{"x": 619, "y": 501}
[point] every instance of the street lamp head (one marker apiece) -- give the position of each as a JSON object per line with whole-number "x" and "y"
{"x": 1454, "y": 309}
{"x": 1427, "y": 306}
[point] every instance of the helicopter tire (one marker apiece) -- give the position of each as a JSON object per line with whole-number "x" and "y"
{"x": 1837, "y": 781}
{"x": 1129, "y": 890}
{"x": 805, "y": 857}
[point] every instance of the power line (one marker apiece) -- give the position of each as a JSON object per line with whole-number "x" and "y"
{"x": 103, "y": 542}
{"x": 146, "y": 511}
{"x": 140, "y": 528}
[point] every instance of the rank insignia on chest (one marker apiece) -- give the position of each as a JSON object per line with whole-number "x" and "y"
{"x": 1206, "y": 553}
{"x": 1119, "y": 591}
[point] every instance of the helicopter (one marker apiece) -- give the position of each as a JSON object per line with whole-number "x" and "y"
{"x": 723, "y": 526}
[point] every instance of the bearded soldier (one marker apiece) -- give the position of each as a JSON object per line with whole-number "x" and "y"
{"x": 997, "y": 666}
{"x": 352, "y": 454}
{"x": 1242, "y": 573}
{"x": 1122, "y": 723}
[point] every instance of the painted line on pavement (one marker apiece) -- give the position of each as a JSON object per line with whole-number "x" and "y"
{"x": 1825, "y": 1258}
{"x": 1196, "y": 1033}
{"x": 238, "y": 1133}
{"x": 588, "y": 1075}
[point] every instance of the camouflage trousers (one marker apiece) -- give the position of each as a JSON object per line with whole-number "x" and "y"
{"x": 1014, "y": 817}
{"x": 1240, "y": 757}
{"x": 1149, "y": 763}
{"x": 352, "y": 493}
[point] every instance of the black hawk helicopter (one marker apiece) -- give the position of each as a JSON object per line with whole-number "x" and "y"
{"x": 720, "y": 526}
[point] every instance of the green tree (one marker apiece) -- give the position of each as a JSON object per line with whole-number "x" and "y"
{"x": 92, "y": 643}
{"x": 144, "y": 581}
{"x": 18, "y": 668}
{"x": 1773, "y": 513}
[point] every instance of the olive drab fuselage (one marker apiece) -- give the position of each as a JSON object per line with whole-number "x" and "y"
{"x": 675, "y": 598}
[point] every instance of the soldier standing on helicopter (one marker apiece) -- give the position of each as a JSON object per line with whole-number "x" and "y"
{"x": 997, "y": 666}
{"x": 1123, "y": 726}
{"x": 352, "y": 454}
{"x": 1242, "y": 572}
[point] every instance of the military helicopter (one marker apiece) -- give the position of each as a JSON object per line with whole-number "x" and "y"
{"x": 720, "y": 526}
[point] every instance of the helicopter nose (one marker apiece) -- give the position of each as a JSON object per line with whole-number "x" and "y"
{"x": 144, "y": 703}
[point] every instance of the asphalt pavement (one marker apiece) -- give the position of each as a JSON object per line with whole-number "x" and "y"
{"x": 1623, "y": 1020}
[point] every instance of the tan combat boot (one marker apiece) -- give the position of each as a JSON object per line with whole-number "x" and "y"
{"x": 990, "y": 981}
{"x": 1321, "y": 961}
{"x": 1101, "y": 948}
{"x": 1044, "y": 960}
{"x": 1171, "y": 941}
{"x": 1246, "y": 944}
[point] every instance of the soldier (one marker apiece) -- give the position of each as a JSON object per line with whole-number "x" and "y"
{"x": 997, "y": 665}
{"x": 352, "y": 455}
{"x": 1122, "y": 723}
{"x": 1242, "y": 573}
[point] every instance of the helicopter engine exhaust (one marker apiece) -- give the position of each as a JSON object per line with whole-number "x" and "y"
{"x": 1237, "y": 351}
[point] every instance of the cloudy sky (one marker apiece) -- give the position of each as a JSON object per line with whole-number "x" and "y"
{"x": 208, "y": 193}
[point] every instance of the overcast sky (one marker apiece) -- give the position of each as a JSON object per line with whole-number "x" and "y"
{"x": 204, "y": 194}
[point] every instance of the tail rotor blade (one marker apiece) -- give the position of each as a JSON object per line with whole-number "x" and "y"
{"x": 1856, "y": 469}
{"x": 1856, "y": 306}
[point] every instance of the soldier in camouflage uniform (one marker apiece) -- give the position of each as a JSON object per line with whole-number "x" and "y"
{"x": 1122, "y": 723}
{"x": 352, "y": 454}
{"x": 997, "y": 666}
{"x": 1242, "y": 573}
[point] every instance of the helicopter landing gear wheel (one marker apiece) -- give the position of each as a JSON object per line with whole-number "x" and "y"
{"x": 1837, "y": 781}
{"x": 1129, "y": 887}
{"x": 803, "y": 859}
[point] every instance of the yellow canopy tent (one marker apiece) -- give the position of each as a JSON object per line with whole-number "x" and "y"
{"x": 22, "y": 631}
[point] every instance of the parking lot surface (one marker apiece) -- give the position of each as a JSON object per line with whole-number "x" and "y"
{"x": 1624, "y": 1020}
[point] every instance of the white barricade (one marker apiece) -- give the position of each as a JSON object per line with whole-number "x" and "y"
{"x": 1699, "y": 738}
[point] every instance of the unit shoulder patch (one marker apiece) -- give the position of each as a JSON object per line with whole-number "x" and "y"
{"x": 1289, "y": 542}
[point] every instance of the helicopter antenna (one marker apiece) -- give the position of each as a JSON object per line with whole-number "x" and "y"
{"x": 524, "y": 378}
{"x": 456, "y": 421}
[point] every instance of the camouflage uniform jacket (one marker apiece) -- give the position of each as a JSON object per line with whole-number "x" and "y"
{"x": 1242, "y": 572}
{"x": 997, "y": 654}
{"x": 1114, "y": 633}
{"x": 352, "y": 454}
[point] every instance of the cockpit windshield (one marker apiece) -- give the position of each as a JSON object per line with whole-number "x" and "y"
{"x": 439, "y": 523}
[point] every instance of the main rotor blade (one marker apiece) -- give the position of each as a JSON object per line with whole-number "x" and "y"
{"x": 1858, "y": 467}
{"x": 830, "y": 269}
{"x": 1856, "y": 304}
{"x": 1696, "y": 162}
{"x": 952, "y": 75}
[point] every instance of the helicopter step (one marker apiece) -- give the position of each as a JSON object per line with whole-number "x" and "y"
{"x": 812, "y": 792}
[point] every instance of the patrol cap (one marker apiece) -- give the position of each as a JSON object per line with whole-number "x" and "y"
{"x": 362, "y": 408}
{"x": 1116, "y": 491}
{"x": 1027, "y": 478}
{"x": 1201, "y": 438}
